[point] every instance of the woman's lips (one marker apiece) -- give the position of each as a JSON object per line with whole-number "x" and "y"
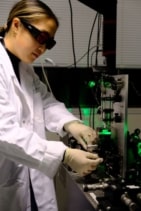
{"x": 36, "y": 55}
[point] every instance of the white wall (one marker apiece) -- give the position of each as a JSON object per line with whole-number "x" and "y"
{"x": 128, "y": 53}
{"x": 134, "y": 119}
{"x": 83, "y": 18}
{"x": 128, "y": 32}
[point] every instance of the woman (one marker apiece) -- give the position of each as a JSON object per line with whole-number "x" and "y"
{"x": 28, "y": 162}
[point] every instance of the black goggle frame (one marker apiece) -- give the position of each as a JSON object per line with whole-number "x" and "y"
{"x": 41, "y": 36}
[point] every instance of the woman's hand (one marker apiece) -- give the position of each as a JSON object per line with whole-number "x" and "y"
{"x": 84, "y": 134}
{"x": 80, "y": 161}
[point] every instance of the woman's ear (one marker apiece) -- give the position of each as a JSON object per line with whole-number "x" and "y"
{"x": 15, "y": 25}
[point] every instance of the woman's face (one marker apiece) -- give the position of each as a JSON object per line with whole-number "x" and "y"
{"x": 21, "y": 42}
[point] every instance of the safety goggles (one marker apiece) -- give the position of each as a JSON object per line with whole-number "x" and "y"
{"x": 40, "y": 36}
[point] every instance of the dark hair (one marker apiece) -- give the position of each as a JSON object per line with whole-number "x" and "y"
{"x": 29, "y": 10}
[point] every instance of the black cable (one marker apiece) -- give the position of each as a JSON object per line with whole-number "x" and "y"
{"x": 89, "y": 43}
{"x": 72, "y": 31}
{"x": 98, "y": 39}
{"x": 98, "y": 44}
{"x": 73, "y": 47}
{"x": 99, "y": 50}
{"x": 85, "y": 54}
{"x": 96, "y": 51}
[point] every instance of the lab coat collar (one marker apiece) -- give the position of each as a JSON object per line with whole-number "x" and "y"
{"x": 7, "y": 64}
{"x": 26, "y": 88}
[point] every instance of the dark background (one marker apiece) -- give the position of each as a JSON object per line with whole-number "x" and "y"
{"x": 70, "y": 85}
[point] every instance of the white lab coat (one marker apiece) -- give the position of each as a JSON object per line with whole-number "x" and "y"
{"x": 25, "y": 110}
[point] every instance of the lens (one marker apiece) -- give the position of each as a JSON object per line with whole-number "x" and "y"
{"x": 43, "y": 37}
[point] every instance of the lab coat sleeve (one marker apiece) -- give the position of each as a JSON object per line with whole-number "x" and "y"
{"x": 55, "y": 112}
{"x": 24, "y": 146}
{"x": 57, "y": 117}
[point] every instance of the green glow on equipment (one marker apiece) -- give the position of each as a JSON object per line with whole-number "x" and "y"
{"x": 139, "y": 148}
{"x": 91, "y": 84}
{"x": 105, "y": 132}
{"x": 86, "y": 111}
